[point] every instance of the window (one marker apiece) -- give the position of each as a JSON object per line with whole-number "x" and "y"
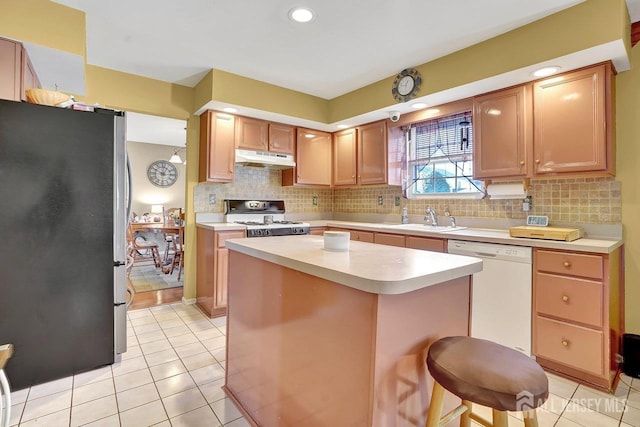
{"x": 440, "y": 160}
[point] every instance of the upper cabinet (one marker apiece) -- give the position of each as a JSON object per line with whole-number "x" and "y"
{"x": 255, "y": 134}
{"x": 360, "y": 155}
{"x": 502, "y": 133}
{"x": 558, "y": 126}
{"x": 16, "y": 71}
{"x": 217, "y": 147}
{"x": 573, "y": 132}
{"x": 313, "y": 159}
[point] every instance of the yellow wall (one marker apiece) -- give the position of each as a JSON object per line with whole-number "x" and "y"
{"x": 628, "y": 139}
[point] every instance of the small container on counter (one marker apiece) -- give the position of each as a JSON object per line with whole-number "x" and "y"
{"x": 337, "y": 241}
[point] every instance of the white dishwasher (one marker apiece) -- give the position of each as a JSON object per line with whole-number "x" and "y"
{"x": 501, "y": 293}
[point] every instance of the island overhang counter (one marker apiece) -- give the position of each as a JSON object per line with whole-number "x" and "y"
{"x": 321, "y": 338}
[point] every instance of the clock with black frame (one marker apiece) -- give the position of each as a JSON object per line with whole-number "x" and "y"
{"x": 162, "y": 173}
{"x": 406, "y": 85}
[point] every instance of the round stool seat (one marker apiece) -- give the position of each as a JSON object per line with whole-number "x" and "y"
{"x": 487, "y": 373}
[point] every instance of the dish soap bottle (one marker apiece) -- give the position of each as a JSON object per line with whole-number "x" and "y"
{"x": 405, "y": 216}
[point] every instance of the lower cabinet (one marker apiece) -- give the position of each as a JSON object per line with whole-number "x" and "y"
{"x": 213, "y": 269}
{"x": 427, "y": 243}
{"x": 390, "y": 239}
{"x": 577, "y": 314}
{"x": 317, "y": 231}
{"x": 401, "y": 240}
{"x": 358, "y": 235}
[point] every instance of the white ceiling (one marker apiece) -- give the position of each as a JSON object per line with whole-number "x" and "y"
{"x": 349, "y": 44}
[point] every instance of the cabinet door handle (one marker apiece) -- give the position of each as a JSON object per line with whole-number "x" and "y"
{"x": 521, "y": 162}
{"x": 565, "y": 343}
{"x": 565, "y": 298}
{"x": 537, "y": 160}
{"x": 567, "y": 264}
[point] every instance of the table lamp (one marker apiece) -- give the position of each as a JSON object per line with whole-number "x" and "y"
{"x": 157, "y": 210}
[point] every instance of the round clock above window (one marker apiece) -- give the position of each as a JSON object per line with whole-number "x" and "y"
{"x": 406, "y": 85}
{"x": 162, "y": 173}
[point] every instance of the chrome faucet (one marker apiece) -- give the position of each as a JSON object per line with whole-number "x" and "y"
{"x": 431, "y": 216}
{"x": 451, "y": 217}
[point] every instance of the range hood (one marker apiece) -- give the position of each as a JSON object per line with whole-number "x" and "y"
{"x": 265, "y": 159}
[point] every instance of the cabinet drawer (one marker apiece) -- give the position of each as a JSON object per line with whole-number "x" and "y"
{"x": 583, "y": 265}
{"x": 389, "y": 239}
{"x": 571, "y": 345}
{"x": 576, "y": 300}
{"x": 223, "y": 236}
{"x": 426, "y": 243}
{"x": 362, "y": 236}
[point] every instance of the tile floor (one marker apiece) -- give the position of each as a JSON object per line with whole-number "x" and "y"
{"x": 174, "y": 368}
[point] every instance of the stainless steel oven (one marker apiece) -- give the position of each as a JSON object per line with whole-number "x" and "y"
{"x": 263, "y": 218}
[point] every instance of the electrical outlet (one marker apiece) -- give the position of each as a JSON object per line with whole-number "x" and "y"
{"x": 397, "y": 201}
{"x": 380, "y": 200}
{"x": 212, "y": 199}
{"x": 315, "y": 200}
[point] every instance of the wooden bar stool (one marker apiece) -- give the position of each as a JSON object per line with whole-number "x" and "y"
{"x": 486, "y": 373}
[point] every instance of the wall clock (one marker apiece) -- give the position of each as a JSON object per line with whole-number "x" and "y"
{"x": 162, "y": 173}
{"x": 406, "y": 85}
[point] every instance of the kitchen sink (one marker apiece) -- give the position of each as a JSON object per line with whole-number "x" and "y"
{"x": 422, "y": 227}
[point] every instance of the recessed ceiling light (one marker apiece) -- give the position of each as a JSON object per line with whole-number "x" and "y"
{"x": 419, "y": 105}
{"x": 343, "y": 126}
{"x": 546, "y": 71}
{"x": 301, "y": 14}
{"x": 230, "y": 110}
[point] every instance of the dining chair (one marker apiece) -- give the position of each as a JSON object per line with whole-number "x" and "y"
{"x": 178, "y": 249}
{"x": 168, "y": 237}
{"x": 142, "y": 251}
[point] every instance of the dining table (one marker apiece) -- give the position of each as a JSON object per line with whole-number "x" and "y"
{"x": 165, "y": 227}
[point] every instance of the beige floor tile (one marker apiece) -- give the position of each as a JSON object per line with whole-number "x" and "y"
{"x": 213, "y": 391}
{"x": 215, "y": 342}
{"x": 112, "y": 421}
{"x": 183, "y": 402}
{"x": 634, "y": 398}
{"x": 555, "y": 404}
{"x": 16, "y": 413}
{"x": 94, "y": 376}
{"x": 161, "y": 357}
{"x": 220, "y": 354}
{"x": 145, "y": 415}
{"x": 203, "y": 325}
{"x": 165, "y": 423}
{"x": 36, "y": 408}
{"x": 208, "y": 373}
{"x": 209, "y": 333}
{"x": 225, "y": 410}
{"x": 587, "y": 417}
{"x": 155, "y": 346}
{"x": 631, "y": 416}
{"x": 240, "y": 422}
{"x": 201, "y": 417}
{"x": 93, "y": 410}
{"x": 136, "y": 314}
{"x": 175, "y": 384}
{"x": 127, "y": 366}
{"x": 171, "y": 323}
{"x": 166, "y": 370}
{"x": 56, "y": 419}
{"x": 220, "y": 322}
{"x": 190, "y": 349}
{"x": 609, "y": 404}
{"x": 145, "y": 329}
{"x": 137, "y": 397}
{"x": 132, "y": 351}
{"x": 146, "y": 320}
{"x": 183, "y": 339}
{"x": 19, "y": 396}
{"x": 192, "y": 318}
{"x": 150, "y": 337}
{"x": 563, "y": 422}
{"x": 51, "y": 387}
{"x": 561, "y": 386}
{"x": 165, "y": 308}
{"x": 545, "y": 418}
{"x": 198, "y": 361}
{"x": 92, "y": 391}
{"x": 132, "y": 380}
{"x": 177, "y": 330}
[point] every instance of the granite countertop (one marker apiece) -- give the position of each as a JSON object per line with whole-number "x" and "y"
{"x": 473, "y": 234}
{"x": 380, "y": 269}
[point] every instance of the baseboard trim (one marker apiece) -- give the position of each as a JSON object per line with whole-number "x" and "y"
{"x": 190, "y": 301}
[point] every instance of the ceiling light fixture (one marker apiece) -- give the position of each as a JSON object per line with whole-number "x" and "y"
{"x": 230, "y": 110}
{"x": 546, "y": 71}
{"x": 419, "y": 105}
{"x": 176, "y": 157}
{"x": 301, "y": 14}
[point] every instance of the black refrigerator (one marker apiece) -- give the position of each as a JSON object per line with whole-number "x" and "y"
{"x": 63, "y": 191}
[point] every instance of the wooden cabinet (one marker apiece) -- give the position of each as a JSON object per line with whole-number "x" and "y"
{"x": 502, "y": 133}
{"x": 317, "y": 231}
{"x": 217, "y": 147}
{"x": 557, "y": 126}
{"x": 426, "y": 243}
{"x": 389, "y": 239}
{"x": 313, "y": 159}
{"x": 578, "y": 313}
{"x": 212, "y": 269}
{"x": 573, "y": 131}
{"x": 360, "y": 155}
{"x": 255, "y": 134}
{"x": 357, "y": 235}
{"x": 16, "y": 71}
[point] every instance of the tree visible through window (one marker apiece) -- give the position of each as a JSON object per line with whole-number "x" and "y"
{"x": 440, "y": 157}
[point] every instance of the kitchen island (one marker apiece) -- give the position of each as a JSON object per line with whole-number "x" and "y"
{"x": 320, "y": 338}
